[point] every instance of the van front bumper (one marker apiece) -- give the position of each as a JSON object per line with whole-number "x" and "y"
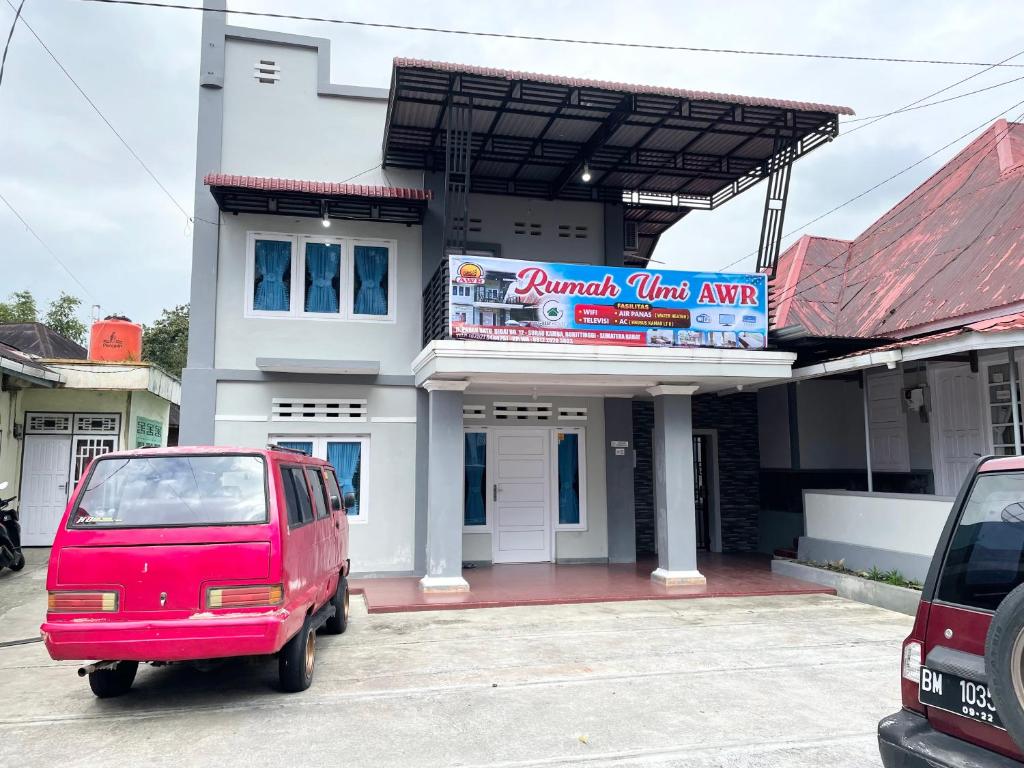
{"x": 906, "y": 740}
{"x": 201, "y": 636}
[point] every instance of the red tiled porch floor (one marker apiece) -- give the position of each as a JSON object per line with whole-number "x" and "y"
{"x": 549, "y": 584}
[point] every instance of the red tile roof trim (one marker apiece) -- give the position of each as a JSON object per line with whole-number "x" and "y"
{"x": 326, "y": 188}
{"x": 575, "y": 82}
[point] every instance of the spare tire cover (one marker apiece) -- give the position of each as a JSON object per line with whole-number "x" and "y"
{"x": 1004, "y": 663}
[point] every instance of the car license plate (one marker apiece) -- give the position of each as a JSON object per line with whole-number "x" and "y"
{"x": 959, "y": 696}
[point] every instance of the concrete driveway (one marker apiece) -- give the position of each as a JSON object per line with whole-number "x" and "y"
{"x": 788, "y": 681}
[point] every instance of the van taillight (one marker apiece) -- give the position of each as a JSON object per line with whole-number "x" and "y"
{"x": 81, "y": 602}
{"x": 244, "y": 597}
{"x": 911, "y": 674}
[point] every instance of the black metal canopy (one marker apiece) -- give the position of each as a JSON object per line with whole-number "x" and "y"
{"x": 660, "y": 151}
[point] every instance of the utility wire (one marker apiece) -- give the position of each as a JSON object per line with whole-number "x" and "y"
{"x": 547, "y": 39}
{"x": 103, "y": 117}
{"x": 794, "y": 292}
{"x": 10, "y": 34}
{"x": 881, "y": 183}
{"x": 47, "y": 248}
{"x": 901, "y": 110}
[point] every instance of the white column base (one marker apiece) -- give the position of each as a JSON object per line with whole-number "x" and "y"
{"x": 679, "y": 578}
{"x": 444, "y": 584}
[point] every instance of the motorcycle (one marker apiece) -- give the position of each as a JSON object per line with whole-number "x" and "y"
{"x": 10, "y": 534}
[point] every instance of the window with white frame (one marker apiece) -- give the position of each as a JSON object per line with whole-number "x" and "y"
{"x": 999, "y": 400}
{"x": 320, "y": 277}
{"x": 350, "y": 457}
{"x": 570, "y": 478}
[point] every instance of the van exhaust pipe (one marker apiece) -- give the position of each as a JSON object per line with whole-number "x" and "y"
{"x": 88, "y": 669}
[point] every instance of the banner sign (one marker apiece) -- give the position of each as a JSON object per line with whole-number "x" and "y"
{"x": 505, "y": 300}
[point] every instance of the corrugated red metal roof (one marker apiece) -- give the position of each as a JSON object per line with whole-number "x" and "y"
{"x": 326, "y": 188}
{"x": 952, "y": 248}
{"x": 576, "y": 82}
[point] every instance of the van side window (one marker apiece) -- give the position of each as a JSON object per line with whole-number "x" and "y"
{"x": 985, "y": 561}
{"x": 332, "y": 485}
{"x": 296, "y": 496}
{"x": 316, "y": 482}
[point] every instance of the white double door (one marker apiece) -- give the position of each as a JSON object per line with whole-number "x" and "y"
{"x": 521, "y": 498}
{"x": 46, "y": 476}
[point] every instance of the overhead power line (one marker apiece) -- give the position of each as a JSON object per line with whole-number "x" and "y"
{"x": 10, "y": 34}
{"x": 103, "y": 117}
{"x": 46, "y": 247}
{"x": 550, "y": 39}
{"x": 796, "y": 291}
{"x": 901, "y": 110}
{"x": 881, "y": 183}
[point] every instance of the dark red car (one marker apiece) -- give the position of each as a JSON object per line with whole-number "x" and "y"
{"x": 963, "y": 664}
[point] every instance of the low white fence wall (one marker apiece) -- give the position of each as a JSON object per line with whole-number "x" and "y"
{"x": 881, "y": 530}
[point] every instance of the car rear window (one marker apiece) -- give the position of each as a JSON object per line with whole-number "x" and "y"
{"x": 142, "y": 492}
{"x": 984, "y": 562}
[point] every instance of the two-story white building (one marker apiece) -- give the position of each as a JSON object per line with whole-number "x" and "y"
{"x": 323, "y": 306}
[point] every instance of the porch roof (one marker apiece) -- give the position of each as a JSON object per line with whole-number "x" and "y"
{"x": 661, "y": 151}
{"x": 1000, "y": 332}
{"x": 536, "y": 368}
{"x": 311, "y": 199}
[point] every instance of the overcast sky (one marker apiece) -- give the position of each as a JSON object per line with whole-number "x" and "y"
{"x": 79, "y": 188}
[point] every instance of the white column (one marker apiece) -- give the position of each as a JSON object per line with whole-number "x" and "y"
{"x": 445, "y": 482}
{"x": 673, "y": 487}
{"x": 1015, "y": 402}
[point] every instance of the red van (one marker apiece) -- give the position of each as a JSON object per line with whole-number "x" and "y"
{"x": 182, "y": 554}
{"x": 963, "y": 664}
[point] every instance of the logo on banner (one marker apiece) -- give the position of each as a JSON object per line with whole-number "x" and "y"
{"x": 551, "y": 312}
{"x": 470, "y": 274}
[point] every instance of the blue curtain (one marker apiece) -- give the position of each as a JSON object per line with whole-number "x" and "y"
{"x": 323, "y": 263}
{"x": 305, "y": 447}
{"x": 568, "y": 479}
{"x": 371, "y": 271}
{"x": 475, "y": 510}
{"x": 273, "y": 267}
{"x": 344, "y": 457}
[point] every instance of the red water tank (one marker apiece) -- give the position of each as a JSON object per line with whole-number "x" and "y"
{"x": 115, "y": 339}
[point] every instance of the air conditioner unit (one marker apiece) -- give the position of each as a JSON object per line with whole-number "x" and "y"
{"x": 630, "y": 237}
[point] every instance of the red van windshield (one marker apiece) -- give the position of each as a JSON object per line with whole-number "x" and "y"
{"x": 150, "y": 491}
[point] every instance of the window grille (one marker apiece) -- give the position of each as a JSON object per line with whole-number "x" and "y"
{"x": 522, "y": 411}
{"x": 48, "y": 422}
{"x": 318, "y": 409}
{"x": 474, "y": 411}
{"x": 572, "y": 414}
{"x": 97, "y": 423}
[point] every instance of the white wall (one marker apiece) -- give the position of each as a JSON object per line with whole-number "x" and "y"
{"x": 240, "y": 339}
{"x": 499, "y": 215}
{"x": 386, "y": 541}
{"x": 892, "y": 521}
{"x": 569, "y": 545}
{"x": 287, "y": 130}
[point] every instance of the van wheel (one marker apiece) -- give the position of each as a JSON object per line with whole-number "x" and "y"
{"x": 1004, "y": 662}
{"x": 338, "y": 623}
{"x": 297, "y": 659}
{"x": 107, "y": 683}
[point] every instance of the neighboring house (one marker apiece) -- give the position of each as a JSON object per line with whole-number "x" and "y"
{"x": 56, "y": 414}
{"x": 914, "y": 329}
{"x": 321, "y": 309}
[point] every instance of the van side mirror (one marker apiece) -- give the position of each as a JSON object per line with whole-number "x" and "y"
{"x": 335, "y": 503}
{"x": 350, "y": 501}
{"x": 1013, "y": 513}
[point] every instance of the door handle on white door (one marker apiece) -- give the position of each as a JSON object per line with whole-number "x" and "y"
{"x": 495, "y": 491}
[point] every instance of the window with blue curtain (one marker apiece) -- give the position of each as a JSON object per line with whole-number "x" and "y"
{"x": 323, "y": 277}
{"x": 346, "y": 460}
{"x": 568, "y": 478}
{"x": 272, "y": 276}
{"x": 475, "y": 507}
{"x": 304, "y": 446}
{"x": 370, "y": 289}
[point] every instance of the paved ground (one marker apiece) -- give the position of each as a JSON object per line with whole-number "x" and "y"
{"x": 790, "y": 681}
